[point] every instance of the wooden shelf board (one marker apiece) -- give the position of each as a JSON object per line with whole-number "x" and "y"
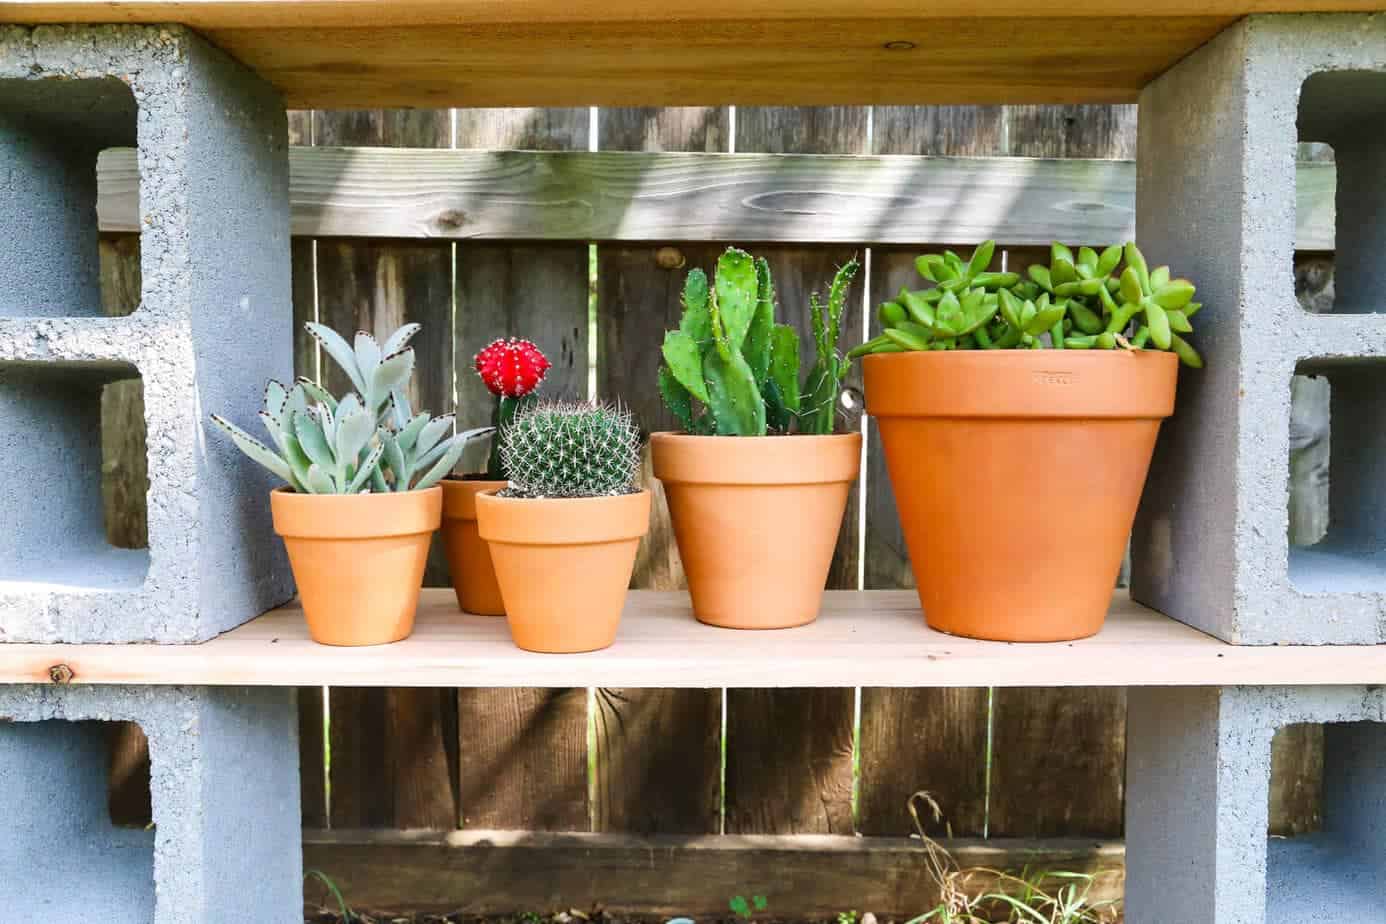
{"x": 435, "y": 53}
{"x": 871, "y": 638}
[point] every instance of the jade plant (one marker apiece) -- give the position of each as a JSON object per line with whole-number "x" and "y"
{"x": 571, "y": 449}
{"x": 1077, "y": 302}
{"x": 731, "y": 370}
{"x": 512, "y": 369}
{"x": 369, "y": 441}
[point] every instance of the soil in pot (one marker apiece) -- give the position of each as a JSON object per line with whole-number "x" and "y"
{"x": 756, "y": 519}
{"x": 563, "y": 565}
{"x": 1017, "y": 475}
{"x": 469, "y": 559}
{"x": 358, "y": 560}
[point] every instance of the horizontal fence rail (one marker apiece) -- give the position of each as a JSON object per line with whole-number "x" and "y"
{"x": 779, "y": 198}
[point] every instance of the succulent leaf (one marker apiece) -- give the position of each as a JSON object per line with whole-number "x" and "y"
{"x": 340, "y": 351}
{"x": 684, "y": 358}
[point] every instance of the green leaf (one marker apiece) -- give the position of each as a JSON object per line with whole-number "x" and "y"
{"x": 676, "y": 397}
{"x": 735, "y": 295}
{"x": 319, "y": 482}
{"x": 432, "y": 432}
{"x": 394, "y": 461}
{"x": 367, "y": 354}
{"x": 446, "y": 463}
{"x": 1058, "y": 252}
{"x": 312, "y": 440}
{"x": 757, "y": 346}
{"x": 1062, "y": 271}
{"x": 1174, "y": 294}
{"x": 1159, "y": 278}
{"x": 276, "y": 396}
{"x": 1158, "y": 322}
{"x": 255, "y": 449}
{"x": 684, "y": 357}
{"x": 1131, "y": 291}
{"x": 340, "y": 351}
{"x": 399, "y": 339}
{"x": 1040, "y": 274}
{"x": 354, "y": 431}
{"x": 1179, "y": 322}
{"x": 312, "y": 391}
{"x": 367, "y": 467}
{"x": 1087, "y": 258}
{"x": 696, "y": 321}
{"x": 392, "y": 373}
{"x": 1136, "y": 260}
{"x": 784, "y": 364}
{"x": 1108, "y": 260}
{"x": 408, "y": 435}
{"x": 981, "y": 258}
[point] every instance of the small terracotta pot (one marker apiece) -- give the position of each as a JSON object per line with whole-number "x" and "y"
{"x": 358, "y": 560}
{"x": 756, "y": 520}
{"x": 469, "y": 560}
{"x": 563, "y": 565}
{"x": 1017, "y": 474}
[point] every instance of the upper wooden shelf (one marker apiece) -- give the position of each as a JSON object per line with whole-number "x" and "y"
{"x": 873, "y": 638}
{"x": 437, "y": 53}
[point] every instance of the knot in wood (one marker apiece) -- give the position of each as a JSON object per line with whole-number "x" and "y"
{"x": 669, "y": 258}
{"x": 450, "y": 219}
{"x": 61, "y": 674}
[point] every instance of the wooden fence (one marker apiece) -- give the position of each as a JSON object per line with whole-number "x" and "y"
{"x": 1003, "y": 763}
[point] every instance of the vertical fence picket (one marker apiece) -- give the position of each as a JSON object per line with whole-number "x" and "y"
{"x": 523, "y": 752}
{"x": 932, "y": 740}
{"x": 657, "y": 761}
{"x": 394, "y": 751}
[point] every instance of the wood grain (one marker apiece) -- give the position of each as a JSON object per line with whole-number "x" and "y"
{"x": 928, "y": 740}
{"x": 804, "y": 877}
{"x": 523, "y": 751}
{"x": 861, "y": 638}
{"x": 523, "y": 759}
{"x": 670, "y": 196}
{"x": 667, "y": 59}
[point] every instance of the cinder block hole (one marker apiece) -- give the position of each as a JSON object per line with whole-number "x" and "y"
{"x": 72, "y": 439}
{"x": 1342, "y": 118}
{"x": 51, "y": 134}
{"x": 60, "y": 848}
{"x": 1337, "y": 534}
{"x": 1334, "y": 873}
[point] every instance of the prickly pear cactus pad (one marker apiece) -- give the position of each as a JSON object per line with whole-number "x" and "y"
{"x": 571, "y": 449}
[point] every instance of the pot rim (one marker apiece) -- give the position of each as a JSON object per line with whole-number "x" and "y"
{"x": 459, "y": 495}
{"x": 781, "y": 459}
{"x": 1022, "y": 384}
{"x": 562, "y": 520}
{"x": 355, "y": 516}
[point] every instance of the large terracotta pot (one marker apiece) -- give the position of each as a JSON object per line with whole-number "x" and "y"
{"x": 469, "y": 560}
{"x": 358, "y": 560}
{"x": 756, "y": 519}
{"x": 564, "y": 565}
{"x": 1017, "y": 474}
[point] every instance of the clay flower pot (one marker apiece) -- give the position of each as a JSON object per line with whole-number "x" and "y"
{"x": 756, "y": 519}
{"x": 1017, "y": 474}
{"x": 563, "y": 565}
{"x": 469, "y": 560}
{"x": 358, "y": 560}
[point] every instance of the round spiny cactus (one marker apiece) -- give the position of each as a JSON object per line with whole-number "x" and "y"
{"x": 572, "y": 449}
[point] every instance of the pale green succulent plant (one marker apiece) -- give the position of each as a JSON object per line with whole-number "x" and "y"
{"x": 356, "y": 444}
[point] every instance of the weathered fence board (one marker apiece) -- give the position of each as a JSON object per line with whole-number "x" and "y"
{"x": 789, "y": 752}
{"x": 611, "y": 196}
{"x": 523, "y": 752}
{"x": 657, "y": 761}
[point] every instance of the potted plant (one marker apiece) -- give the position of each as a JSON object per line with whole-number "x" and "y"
{"x": 757, "y": 482}
{"x": 512, "y": 370}
{"x": 1018, "y": 417}
{"x": 564, "y": 532}
{"x": 360, "y": 504}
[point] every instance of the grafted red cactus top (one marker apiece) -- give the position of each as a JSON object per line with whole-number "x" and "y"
{"x": 511, "y": 366}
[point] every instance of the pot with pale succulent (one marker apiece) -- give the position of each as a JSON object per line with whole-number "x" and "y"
{"x": 564, "y": 533}
{"x": 360, "y": 501}
{"x": 512, "y": 369}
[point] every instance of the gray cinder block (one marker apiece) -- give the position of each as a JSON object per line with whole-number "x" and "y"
{"x": 1197, "y": 803}
{"x": 226, "y": 843}
{"x": 1216, "y": 200}
{"x": 214, "y": 322}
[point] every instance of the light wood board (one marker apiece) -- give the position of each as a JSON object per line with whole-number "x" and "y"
{"x": 637, "y": 196}
{"x": 862, "y": 638}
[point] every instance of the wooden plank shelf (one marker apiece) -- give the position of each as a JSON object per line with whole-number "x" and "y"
{"x": 432, "y": 53}
{"x": 780, "y": 198}
{"x": 862, "y": 638}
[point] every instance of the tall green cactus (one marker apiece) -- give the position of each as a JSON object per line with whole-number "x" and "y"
{"x": 730, "y": 370}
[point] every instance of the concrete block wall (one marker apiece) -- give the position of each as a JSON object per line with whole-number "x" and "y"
{"x": 1197, "y": 801}
{"x": 213, "y": 324}
{"x": 225, "y": 847}
{"x": 1216, "y": 201}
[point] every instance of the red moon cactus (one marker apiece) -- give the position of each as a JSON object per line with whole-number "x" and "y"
{"x": 512, "y": 367}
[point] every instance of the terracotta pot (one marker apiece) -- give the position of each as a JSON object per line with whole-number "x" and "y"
{"x": 1017, "y": 474}
{"x": 358, "y": 560}
{"x": 756, "y": 520}
{"x": 469, "y": 560}
{"x": 563, "y": 565}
